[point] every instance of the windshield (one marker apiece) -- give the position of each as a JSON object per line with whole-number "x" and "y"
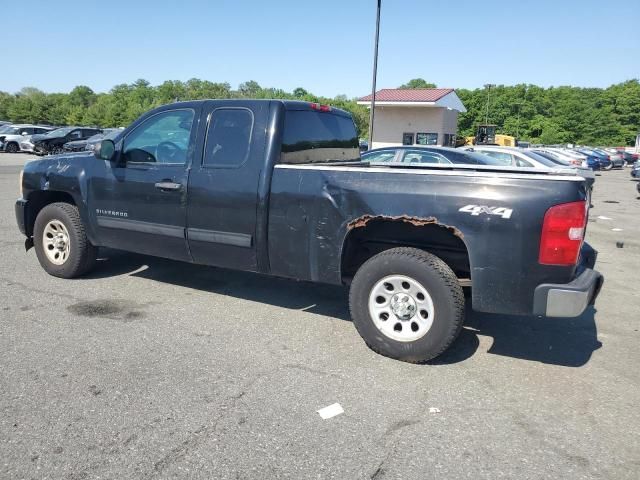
{"x": 541, "y": 159}
{"x": 552, "y": 156}
{"x": 59, "y": 132}
{"x": 110, "y": 134}
{"x": 10, "y": 130}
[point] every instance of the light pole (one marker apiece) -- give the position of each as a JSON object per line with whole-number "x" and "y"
{"x": 375, "y": 73}
{"x": 488, "y": 87}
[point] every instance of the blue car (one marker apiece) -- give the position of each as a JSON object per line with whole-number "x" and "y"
{"x": 603, "y": 159}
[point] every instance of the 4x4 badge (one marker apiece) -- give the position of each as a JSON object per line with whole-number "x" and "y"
{"x": 478, "y": 209}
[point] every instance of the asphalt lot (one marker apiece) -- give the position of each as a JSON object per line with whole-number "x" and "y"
{"x": 150, "y": 368}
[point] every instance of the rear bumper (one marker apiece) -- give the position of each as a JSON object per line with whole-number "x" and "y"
{"x": 21, "y": 212}
{"x": 568, "y": 299}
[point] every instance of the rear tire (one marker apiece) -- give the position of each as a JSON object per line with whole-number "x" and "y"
{"x": 407, "y": 304}
{"x": 61, "y": 242}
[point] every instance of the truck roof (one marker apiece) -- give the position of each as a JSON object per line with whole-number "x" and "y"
{"x": 288, "y": 104}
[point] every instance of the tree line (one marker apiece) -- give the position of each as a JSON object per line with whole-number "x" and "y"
{"x": 591, "y": 116}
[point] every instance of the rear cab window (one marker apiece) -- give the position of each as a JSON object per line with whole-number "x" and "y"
{"x": 312, "y": 136}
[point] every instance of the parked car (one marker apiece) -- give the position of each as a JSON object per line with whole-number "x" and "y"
{"x": 364, "y": 146}
{"x": 53, "y": 141}
{"x": 433, "y": 155}
{"x": 300, "y": 203}
{"x": 90, "y": 143}
{"x": 602, "y": 157}
{"x": 553, "y": 154}
{"x": 635, "y": 170}
{"x": 626, "y": 158}
{"x": 13, "y": 135}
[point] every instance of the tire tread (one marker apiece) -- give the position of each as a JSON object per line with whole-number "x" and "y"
{"x": 450, "y": 280}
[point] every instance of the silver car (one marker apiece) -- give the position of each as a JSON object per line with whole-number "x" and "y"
{"x": 12, "y": 136}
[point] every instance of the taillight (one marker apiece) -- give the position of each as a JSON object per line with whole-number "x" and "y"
{"x": 322, "y": 108}
{"x": 563, "y": 233}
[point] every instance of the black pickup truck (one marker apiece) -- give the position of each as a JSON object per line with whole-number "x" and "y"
{"x": 278, "y": 187}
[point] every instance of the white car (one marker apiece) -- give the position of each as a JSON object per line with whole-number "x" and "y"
{"x": 13, "y": 135}
{"x": 576, "y": 159}
{"x": 517, "y": 157}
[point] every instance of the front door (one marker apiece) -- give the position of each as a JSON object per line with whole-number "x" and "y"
{"x": 139, "y": 203}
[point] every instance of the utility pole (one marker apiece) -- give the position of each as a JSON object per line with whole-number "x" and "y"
{"x": 488, "y": 87}
{"x": 375, "y": 74}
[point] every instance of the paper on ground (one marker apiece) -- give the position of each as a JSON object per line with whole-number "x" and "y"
{"x": 602, "y": 217}
{"x": 616, "y": 229}
{"x": 434, "y": 410}
{"x": 330, "y": 411}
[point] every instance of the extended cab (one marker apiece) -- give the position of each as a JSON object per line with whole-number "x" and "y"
{"x": 278, "y": 187}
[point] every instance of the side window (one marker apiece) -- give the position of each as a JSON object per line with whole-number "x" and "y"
{"x": 380, "y": 157}
{"x": 228, "y": 137}
{"x": 426, "y": 138}
{"x": 505, "y": 158}
{"x": 407, "y": 138}
{"x": 523, "y": 163}
{"x": 75, "y": 135}
{"x": 163, "y": 138}
{"x": 417, "y": 156}
{"x": 27, "y": 131}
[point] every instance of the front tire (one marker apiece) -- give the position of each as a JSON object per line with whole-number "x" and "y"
{"x": 61, "y": 242}
{"x": 608, "y": 167}
{"x": 407, "y": 304}
{"x": 11, "y": 148}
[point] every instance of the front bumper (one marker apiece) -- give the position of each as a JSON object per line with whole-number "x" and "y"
{"x": 569, "y": 299}
{"x": 21, "y": 212}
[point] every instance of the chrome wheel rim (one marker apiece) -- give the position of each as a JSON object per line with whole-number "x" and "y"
{"x": 401, "y": 308}
{"x": 55, "y": 240}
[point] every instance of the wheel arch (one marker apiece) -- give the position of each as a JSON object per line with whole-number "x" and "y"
{"x": 39, "y": 199}
{"x": 368, "y": 236}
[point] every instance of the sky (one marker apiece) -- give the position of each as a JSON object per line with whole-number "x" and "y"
{"x": 324, "y": 46}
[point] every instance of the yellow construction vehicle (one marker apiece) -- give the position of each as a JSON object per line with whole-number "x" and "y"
{"x": 486, "y": 135}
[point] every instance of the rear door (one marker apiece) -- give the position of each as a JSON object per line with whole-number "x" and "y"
{"x": 223, "y": 185}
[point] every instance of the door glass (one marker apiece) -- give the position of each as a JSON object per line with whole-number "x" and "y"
{"x": 163, "y": 138}
{"x": 228, "y": 138}
{"x": 407, "y": 138}
{"x": 75, "y": 135}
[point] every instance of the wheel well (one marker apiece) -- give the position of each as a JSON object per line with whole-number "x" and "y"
{"x": 40, "y": 199}
{"x": 378, "y": 235}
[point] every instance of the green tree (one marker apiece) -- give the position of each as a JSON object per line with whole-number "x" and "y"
{"x": 417, "y": 83}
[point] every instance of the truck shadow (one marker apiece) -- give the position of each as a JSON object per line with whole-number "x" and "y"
{"x": 555, "y": 341}
{"x": 567, "y": 342}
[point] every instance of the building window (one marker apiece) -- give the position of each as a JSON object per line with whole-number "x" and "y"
{"x": 449, "y": 140}
{"x": 407, "y": 138}
{"x": 426, "y": 138}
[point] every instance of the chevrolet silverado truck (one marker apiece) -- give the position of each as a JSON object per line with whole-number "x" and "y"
{"x": 278, "y": 187}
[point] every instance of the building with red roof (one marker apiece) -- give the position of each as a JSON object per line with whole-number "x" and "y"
{"x": 421, "y": 116}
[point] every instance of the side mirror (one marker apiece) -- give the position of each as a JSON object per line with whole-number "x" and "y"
{"x": 24, "y": 134}
{"x": 105, "y": 150}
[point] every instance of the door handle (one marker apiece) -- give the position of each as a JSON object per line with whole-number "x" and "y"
{"x": 167, "y": 185}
